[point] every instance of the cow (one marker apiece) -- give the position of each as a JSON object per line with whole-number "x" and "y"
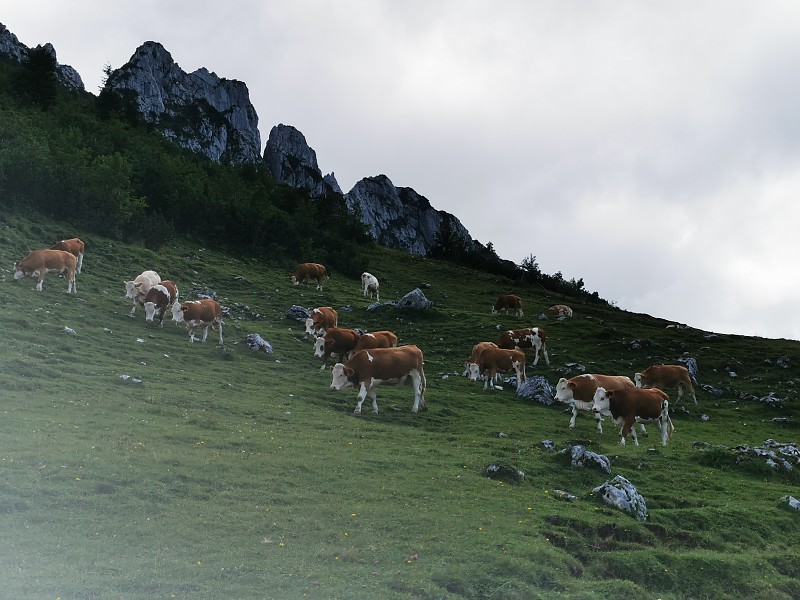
{"x": 40, "y": 262}
{"x": 74, "y": 246}
{"x": 158, "y": 298}
{"x": 198, "y": 314}
{"x": 321, "y": 319}
{"x": 507, "y": 303}
{"x": 579, "y": 392}
{"x": 494, "y": 360}
{"x": 309, "y": 271}
{"x": 473, "y": 357}
{"x": 532, "y": 337}
{"x": 559, "y": 311}
{"x": 137, "y": 289}
{"x": 630, "y": 405}
{"x": 376, "y": 339}
{"x": 368, "y": 369}
{"x": 370, "y": 286}
{"x": 335, "y": 341}
{"x": 666, "y": 376}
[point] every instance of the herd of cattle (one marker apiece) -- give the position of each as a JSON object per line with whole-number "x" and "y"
{"x": 368, "y": 360}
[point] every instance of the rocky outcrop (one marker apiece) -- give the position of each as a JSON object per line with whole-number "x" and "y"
{"x": 293, "y": 162}
{"x": 12, "y": 47}
{"x": 199, "y": 110}
{"x": 399, "y": 217}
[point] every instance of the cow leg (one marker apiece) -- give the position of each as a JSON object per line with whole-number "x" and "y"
{"x": 219, "y": 329}
{"x": 598, "y": 418}
{"x": 80, "y": 263}
{"x": 574, "y": 416}
{"x": 71, "y": 286}
{"x": 39, "y": 281}
{"x": 629, "y": 428}
{"x": 535, "y": 355}
{"x": 374, "y": 397}
{"x": 133, "y": 309}
{"x": 416, "y": 383}
{"x": 362, "y": 393}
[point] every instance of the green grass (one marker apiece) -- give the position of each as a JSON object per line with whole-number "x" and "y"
{"x": 230, "y": 474}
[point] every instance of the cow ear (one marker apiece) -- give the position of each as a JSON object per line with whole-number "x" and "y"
{"x": 348, "y": 371}
{"x": 609, "y": 393}
{"x": 571, "y": 385}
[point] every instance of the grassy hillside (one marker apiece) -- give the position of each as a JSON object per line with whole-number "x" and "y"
{"x": 230, "y": 474}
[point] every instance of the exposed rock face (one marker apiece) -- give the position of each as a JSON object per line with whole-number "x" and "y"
{"x": 198, "y": 110}
{"x": 399, "y": 217}
{"x": 293, "y": 162}
{"x": 12, "y": 47}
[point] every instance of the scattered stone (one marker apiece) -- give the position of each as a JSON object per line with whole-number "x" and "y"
{"x": 776, "y": 455}
{"x": 298, "y": 313}
{"x": 732, "y": 374}
{"x": 376, "y": 305}
{"x": 69, "y": 331}
{"x": 547, "y": 444}
{"x": 711, "y": 336}
{"x": 537, "y": 388}
{"x": 542, "y": 317}
{"x": 622, "y": 494}
{"x": 771, "y": 399}
{"x": 502, "y": 435}
{"x": 783, "y": 362}
{"x": 704, "y": 417}
{"x": 710, "y": 389}
{"x": 255, "y": 342}
{"x": 140, "y": 340}
{"x": 580, "y": 456}
{"x": 504, "y": 472}
{"x": 414, "y": 299}
{"x": 791, "y": 502}
{"x": 691, "y": 366}
{"x": 562, "y": 495}
{"x": 129, "y": 379}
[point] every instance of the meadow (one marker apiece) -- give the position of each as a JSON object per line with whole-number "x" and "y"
{"x": 137, "y": 465}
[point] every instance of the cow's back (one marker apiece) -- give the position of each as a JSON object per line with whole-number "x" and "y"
{"x": 586, "y": 385}
{"x": 386, "y": 363}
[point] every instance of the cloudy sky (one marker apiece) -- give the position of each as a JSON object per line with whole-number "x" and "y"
{"x": 652, "y": 149}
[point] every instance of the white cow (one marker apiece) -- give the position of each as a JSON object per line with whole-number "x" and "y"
{"x": 137, "y": 289}
{"x": 370, "y": 286}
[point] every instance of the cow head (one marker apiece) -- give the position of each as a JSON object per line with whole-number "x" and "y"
{"x": 637, "y": 378}
{"x": 19, "y": 271}
{"x": 177, "y": 312}
{"x": 474, "y": 371}
{"x": 310, "y": 329}
{"x": 602, "y": 400}
{"x": 149, "y": 311}
{"x": 319, "y": 347}
{"x": 130, "y": 289}
{"x": 494, "y": 310}
{"x": 341, "y": 377}
{"x": 564, "y": 390}
{"x": 295, "y": 281}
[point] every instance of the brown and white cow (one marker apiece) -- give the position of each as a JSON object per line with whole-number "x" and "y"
{"x": 666, "y": 377}
{"x": 368, "y": 369}
{"x": 137, "y": 289}
{"x": 370, "y": 286}
{"x": 559, "y": 311}
{"x": 158, "y": 298}
{"x": 508, "y": 302}
{"x": 473, "y": 357}
{"x": 631, "y": 405}
{"x": 74, "y": 246}
{"x": 376, "y": 339}
{"x": 579, "y": 393}
{"x": 308, "y": 272}
{"x": 492, "y": 361}
{"x": 199, "y": 314}
{"x": 321, "y": 319}
{"x": 335, "y": 341}
{"x": 521, "y": 339}
{"x": 40, "y": 262}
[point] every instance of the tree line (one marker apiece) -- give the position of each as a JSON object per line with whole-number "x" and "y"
{"x": 94, "y": 161}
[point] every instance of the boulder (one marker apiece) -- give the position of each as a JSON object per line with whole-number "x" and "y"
{"x": 622, "y": 494}
{"x": 537, "y": 388}
{"x": 414, "y": 299}
{"x": 256, "y": 343}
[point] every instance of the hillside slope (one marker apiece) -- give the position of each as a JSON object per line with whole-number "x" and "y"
{"x": 229, "y": 473}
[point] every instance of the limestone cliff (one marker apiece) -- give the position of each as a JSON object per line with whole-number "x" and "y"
{"x": 198, "y": 110}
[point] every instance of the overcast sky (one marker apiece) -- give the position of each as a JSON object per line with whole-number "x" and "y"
{"x": 650, "y": 148}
